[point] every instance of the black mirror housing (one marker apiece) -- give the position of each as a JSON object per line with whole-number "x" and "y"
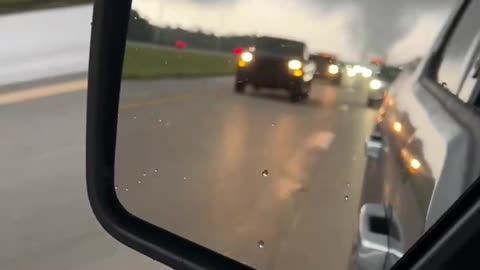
{"x": 108, "y": 39}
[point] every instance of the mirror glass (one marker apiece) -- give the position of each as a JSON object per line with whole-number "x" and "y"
{"x": 260, "y": 128}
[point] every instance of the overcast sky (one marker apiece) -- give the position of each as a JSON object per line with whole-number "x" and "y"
{"x": 353, "y": 29}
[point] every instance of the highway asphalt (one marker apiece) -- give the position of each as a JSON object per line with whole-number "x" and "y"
{"x": 46, "y": 221}
{"x": 273, "y": 184}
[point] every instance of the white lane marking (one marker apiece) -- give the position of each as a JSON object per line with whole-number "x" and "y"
{"x": 42, "y": 92}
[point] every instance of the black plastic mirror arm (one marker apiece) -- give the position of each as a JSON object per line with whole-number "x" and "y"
{"x": 108, "y": 37}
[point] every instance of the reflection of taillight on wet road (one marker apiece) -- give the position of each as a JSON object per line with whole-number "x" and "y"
{"x": 413, "y": 165}
{"x": 180, "y": 44}
{"x": 397, "y": 126}
{"x": 237, "y": 51}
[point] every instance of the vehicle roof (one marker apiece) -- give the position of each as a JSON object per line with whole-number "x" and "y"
{"x": 280, "y": 39}
{"x": 324, "y": 55}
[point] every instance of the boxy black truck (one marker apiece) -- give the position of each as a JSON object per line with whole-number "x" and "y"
{"x": 328, "y": 68}
{"x": 276, "y": 63}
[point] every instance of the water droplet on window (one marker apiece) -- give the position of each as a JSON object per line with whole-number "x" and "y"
{"x": 261, "y": 244}
{"x": 156, "y": 170}
{"x": 139, "y": 181}
{"x": 167, "y": 124}
{"x": 185, "y": 178}
{"x": 159, "y": 120}
{"x": 166, "y": 62}
{"x": 134, "y": 117}
{"x": 348, "y": 185}
{"x": 116, "y": 188}
{"x": 144, "y": 174}
{"x": 135, "y": 18}
{"x": 265, "y": 173}
{"x": 273, "y": 125}
{"x": 346, "y": 198}
{"x": 126, "y": 189}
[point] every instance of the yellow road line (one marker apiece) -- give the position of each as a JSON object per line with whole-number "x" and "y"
{"x": 35, "y": 93}
{"x": 42, "y": 92}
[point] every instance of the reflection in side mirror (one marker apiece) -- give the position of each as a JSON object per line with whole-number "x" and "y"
{"x": 373, "y": 244}
{"x": 183, "y": 169}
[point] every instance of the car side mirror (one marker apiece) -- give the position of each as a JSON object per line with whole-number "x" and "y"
{"x": 373, "y": 245}
{"x": 374, "y": 144}
{"x": 108, "y": 39}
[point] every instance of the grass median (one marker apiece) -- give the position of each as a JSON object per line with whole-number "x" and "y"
{"x": 157, "y": 62}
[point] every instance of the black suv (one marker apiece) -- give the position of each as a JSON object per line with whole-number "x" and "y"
{"x": 328, "y": 68}
{"x": 278, "y": 64}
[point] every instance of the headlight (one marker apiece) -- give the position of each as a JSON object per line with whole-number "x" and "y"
{"x": 246, "y": 56}
{"x": 367, "y": 73}
{"x": 294, "y": 64}
{"x": 333, "y": 69}
{"x": 351, "y": 72}
{"x": 375, "y": 84}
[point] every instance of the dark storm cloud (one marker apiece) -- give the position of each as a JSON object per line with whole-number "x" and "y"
{"x": 351, "y": 28}
{"x": 379, "y": 24}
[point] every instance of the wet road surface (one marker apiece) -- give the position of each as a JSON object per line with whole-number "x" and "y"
{"x": 46, "y": 221}
{"x": 273, "y": 184}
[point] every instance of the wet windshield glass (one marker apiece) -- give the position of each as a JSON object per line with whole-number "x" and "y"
{"x": 313, "y": 160}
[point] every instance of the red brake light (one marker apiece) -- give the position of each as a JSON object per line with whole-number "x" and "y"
{"x": 180, "y": 44}
{"x": 237, "y": 51}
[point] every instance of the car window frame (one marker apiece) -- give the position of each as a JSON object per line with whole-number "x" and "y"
{"x": 430, "y": 67}
{"x": 433, "y": 67}
{"x": 474, "y": 94}
{"x": 473, "y": 56}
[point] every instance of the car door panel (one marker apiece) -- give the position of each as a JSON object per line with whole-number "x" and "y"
{"x": 429, "y": 135}
{"x": 407, "y": 190}
{"x": 448, "y": 152}
{"x": 418, "y": 158}
{"x": 443, "y": 143}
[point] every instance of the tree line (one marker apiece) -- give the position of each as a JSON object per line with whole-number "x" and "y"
{"x": 141, "y": 30}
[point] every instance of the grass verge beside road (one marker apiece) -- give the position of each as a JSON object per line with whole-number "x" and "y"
{"x": 157, "y": 62}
